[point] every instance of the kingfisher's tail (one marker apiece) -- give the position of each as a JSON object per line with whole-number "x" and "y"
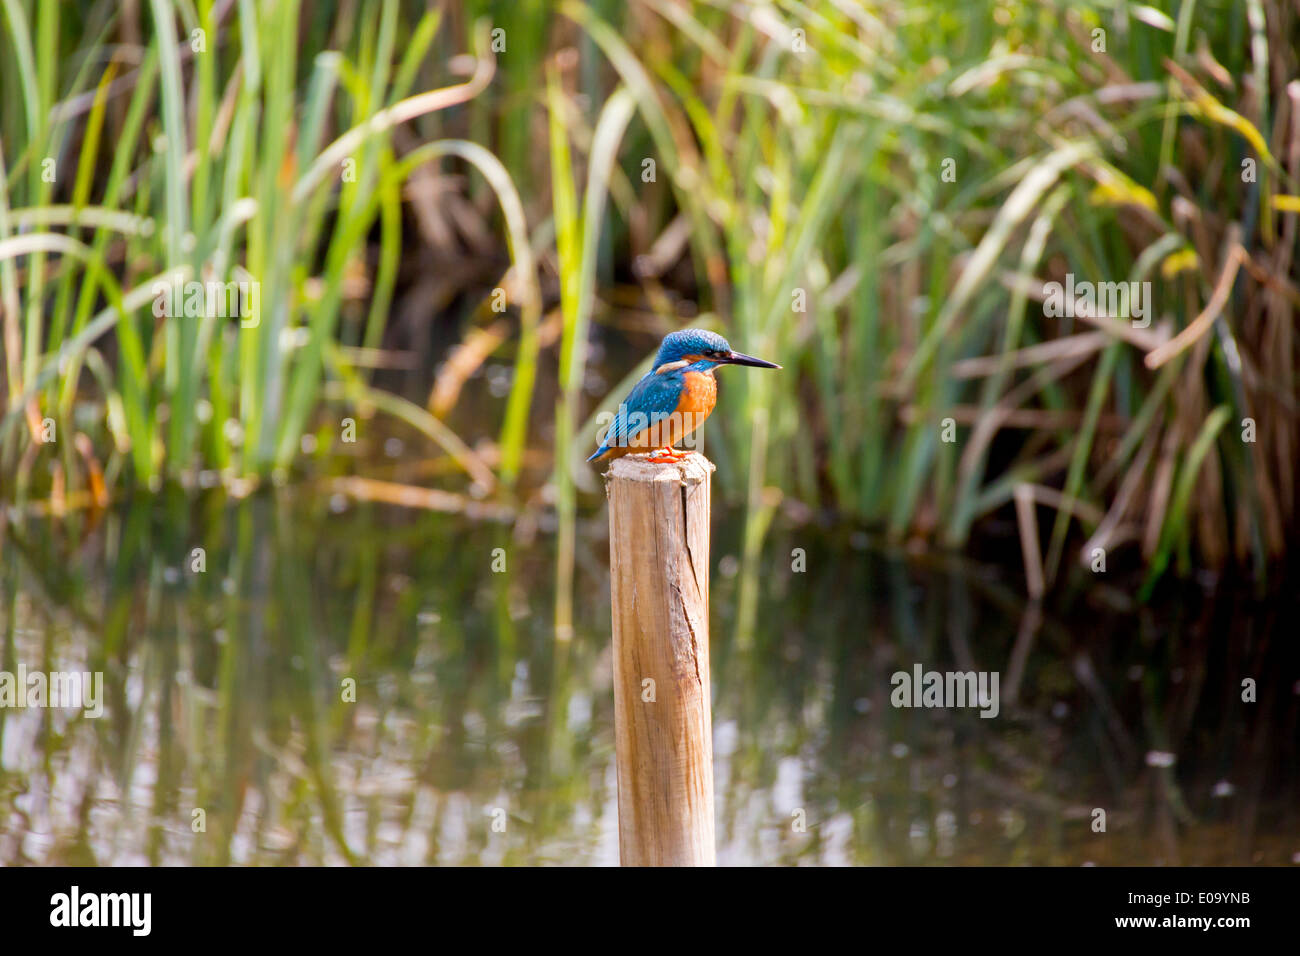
{"x": 599, "y": 451}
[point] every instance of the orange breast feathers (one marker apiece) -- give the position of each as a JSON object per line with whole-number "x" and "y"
{"x": 698, "y": 397}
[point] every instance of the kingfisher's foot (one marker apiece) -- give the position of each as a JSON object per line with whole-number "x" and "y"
{"x": 667, "y": 455}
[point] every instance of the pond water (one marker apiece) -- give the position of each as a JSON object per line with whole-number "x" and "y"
{"x": 228, "y": 734}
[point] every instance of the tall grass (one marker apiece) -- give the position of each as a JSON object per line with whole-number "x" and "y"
{"x": 230, "y": 154}
{"x": 1094, "y": 142}
{"x": 873, "y": 194}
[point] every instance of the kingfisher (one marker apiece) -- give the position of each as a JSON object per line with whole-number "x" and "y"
{"x": 674, "y": 398}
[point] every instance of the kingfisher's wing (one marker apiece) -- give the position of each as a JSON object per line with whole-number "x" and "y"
{"x": 651, "y": 400}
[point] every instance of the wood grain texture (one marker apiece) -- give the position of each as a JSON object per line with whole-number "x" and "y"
{"x": 659, "y": 582}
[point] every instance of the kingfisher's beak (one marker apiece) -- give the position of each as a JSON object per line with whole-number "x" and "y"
{"x": 736, "y": 358}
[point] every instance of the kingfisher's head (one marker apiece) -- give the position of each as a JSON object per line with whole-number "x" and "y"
{"x": 703, "y": 350}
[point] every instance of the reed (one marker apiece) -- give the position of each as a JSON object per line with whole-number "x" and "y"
{"x": 230, "y": 154}
{"x": 906, "y": 298}
{"x": 875, "y": 193}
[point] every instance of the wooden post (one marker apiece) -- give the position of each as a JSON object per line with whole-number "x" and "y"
{"x": 659, "y": 582}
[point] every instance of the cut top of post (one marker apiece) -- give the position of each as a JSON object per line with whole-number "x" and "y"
{"x": 689, "y": 471}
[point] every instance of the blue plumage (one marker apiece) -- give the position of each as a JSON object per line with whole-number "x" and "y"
{"x": 678, "y": 345}
{"x": 651, "y": 400}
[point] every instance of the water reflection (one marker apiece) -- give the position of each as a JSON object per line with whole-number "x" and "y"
{"x": 287, "y": 682}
